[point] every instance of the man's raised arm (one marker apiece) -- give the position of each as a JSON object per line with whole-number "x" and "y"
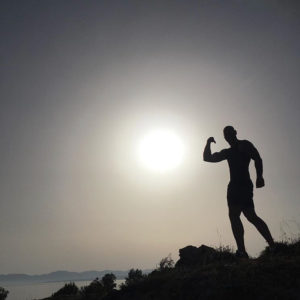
{"x": 215, "y": 157}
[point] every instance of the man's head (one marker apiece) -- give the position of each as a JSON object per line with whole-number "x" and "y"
{"x": 230, "y": 135}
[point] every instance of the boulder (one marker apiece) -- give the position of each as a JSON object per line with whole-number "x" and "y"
{"x": 192, "y": 256}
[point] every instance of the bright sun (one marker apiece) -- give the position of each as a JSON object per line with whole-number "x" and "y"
{"x": 161, "y": 150}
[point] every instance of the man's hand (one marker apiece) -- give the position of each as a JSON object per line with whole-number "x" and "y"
{"x": 211, "y": 140}
{"x": 260, "y": 182}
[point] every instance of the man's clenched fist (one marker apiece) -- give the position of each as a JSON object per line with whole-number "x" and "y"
{"x": 211, "y": 140}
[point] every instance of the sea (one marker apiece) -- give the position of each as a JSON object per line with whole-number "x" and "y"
{"x": 36, "y": 291}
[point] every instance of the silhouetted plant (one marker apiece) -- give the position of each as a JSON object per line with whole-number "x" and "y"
{"x": 288, "y": 233}
{"x": 94, "y": 290}
{"x": 108, "y": 282}
{"x": 166, "y": 263}
{"x": 275, "y": 275}
{"x": 134, "y": 276}
{"x": 3, "y": 293}
{"x": 223, "y": 248}
{"x": 68, "y": 289}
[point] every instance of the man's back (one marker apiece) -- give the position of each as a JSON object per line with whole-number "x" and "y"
{"x": 238, "y": 157}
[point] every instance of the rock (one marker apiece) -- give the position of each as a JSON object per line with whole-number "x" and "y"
{"x": 203, "y": 255}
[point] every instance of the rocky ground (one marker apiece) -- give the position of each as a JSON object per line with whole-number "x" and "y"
{"x": 208, "y": 273}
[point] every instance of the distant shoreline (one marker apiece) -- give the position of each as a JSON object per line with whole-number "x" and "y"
{"x": 61, "y": 276}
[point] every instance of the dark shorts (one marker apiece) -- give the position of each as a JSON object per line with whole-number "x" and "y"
{"x": 240, "y": 194}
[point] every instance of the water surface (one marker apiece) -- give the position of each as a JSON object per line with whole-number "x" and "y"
{"x": 39, "y": 290}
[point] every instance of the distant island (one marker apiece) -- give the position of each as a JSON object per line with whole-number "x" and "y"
{"x": 61, "y": 276}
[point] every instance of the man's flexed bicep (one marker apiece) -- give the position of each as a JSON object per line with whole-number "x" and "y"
{"x": 213, "y": 157}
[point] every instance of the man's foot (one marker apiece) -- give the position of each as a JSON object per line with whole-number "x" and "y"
{"x": 277, "y": 248}
{"x": 241, "y": 254}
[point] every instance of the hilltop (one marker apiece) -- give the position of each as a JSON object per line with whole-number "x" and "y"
{"x": 205, "y": 273}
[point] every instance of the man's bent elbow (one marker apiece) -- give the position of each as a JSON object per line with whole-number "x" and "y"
{"x": 207, "y": 159}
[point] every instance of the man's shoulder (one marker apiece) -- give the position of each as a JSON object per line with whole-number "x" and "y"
{"x": 246, "y": 144}
{"x": 225, "y": 151}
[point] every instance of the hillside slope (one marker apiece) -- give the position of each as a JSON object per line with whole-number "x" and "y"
{"x": 206, "y": 273}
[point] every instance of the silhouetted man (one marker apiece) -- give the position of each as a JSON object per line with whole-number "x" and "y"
{"x": 240, "y": 187}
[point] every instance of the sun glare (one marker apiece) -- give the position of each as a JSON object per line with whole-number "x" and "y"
{"x": 161, "y": 150}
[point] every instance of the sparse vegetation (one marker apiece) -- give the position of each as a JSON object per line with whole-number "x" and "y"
{"x": 108, "y": 282}
{"x": 275, "y": 275}
{"x": 96, "y": 290}
{"x": 134, "y": 276}
{"x": 69, "y": 289}
{"x": 166, "y": 263}
{"x": 3, "y": 293}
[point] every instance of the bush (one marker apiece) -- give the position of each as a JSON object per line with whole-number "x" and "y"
{"x": 166, "y": 263}
{"x": 134, "y": 276}
{"x": 3, "y": 293}
{"x": 108, "y": 282}
{"x": 94, "y": 290}
{"x": 68, "y": 289}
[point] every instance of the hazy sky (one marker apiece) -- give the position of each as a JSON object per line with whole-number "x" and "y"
{"x": 82, "y": 82}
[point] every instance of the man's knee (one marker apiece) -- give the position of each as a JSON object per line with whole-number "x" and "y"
{"x": 251, "y": 215}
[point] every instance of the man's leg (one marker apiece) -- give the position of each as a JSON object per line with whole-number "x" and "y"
{"x": 237, "y": 227}
{"x": 260, "y": 225}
